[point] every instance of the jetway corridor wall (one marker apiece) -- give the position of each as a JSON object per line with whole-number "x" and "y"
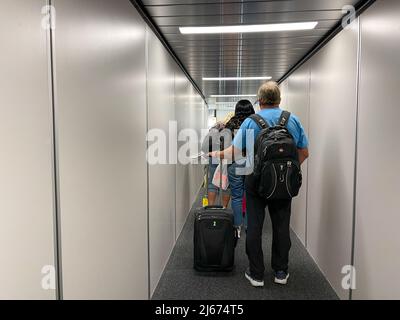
{"x": 87, "y": 183}
{"x": 347, "y": 98}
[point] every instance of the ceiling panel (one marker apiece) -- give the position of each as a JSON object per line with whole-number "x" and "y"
{"x": 215, "y": 20}
{"x": 182, "y": 7}
{"x": 251, "y": 54}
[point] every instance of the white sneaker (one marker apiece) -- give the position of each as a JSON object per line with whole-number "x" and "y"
{"x": 238, "y": 232}
{"x": 281, "y": 277}
{"x": 254, "y": 282}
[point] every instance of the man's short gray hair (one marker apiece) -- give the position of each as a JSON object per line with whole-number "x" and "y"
{"x": 269, "y": 94}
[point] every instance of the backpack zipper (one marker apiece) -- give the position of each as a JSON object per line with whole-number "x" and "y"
{"x": 289, "y": 166}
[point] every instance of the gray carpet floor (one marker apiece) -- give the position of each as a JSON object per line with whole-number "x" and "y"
{"x": 181, "y": 282}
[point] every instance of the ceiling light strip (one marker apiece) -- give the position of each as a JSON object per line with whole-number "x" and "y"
{"x": 232, "y": 95}
{"x": 237, "y": 78}
{"x": 294, "y": 26}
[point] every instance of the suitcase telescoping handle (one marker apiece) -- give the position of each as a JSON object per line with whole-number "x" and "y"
{"x": 221, "y": 161}
{"x": 214, "y": 207}
{"x": 210, "y": 149}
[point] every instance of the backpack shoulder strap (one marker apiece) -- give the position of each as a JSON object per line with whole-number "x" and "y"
{"x": 284, "y": 119}
{"x": 259, "y": 120}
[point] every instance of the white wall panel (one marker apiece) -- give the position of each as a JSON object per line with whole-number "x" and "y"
{"x": 284, "y": 86}
{"x": 161, "y": 110}
{"x": 26, "y": 179}
{"x": 196, "y": 122}
{"x": 332, "y": 149}
{"x": 182, "y": 108}
{"x": 191, "y": 113}
{"x": 101, "y": 117}
{"x": 298, "y": 102}
{"x": 377, "y": 217}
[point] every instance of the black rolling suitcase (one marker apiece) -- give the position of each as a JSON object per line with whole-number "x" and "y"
{"x": 214, "y": 238}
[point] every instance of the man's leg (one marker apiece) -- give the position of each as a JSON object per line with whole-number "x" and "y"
{"x": 280, "y": 211}
{"x": 255, "y": 216}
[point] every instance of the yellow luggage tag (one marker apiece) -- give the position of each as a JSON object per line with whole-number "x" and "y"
{"x": 205, "y": 202}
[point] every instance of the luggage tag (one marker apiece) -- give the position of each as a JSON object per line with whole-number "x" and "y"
{"x": 205, "y": 201}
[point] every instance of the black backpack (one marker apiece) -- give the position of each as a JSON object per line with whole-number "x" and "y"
{"x": 276, "y": 160}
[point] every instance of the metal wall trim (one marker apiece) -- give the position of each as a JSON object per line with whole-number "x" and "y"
{"x": 147, "y": 163}
{"x": 56, "y": 173}
{"x": 358, "y": 78}
{"x": 152, "y": 25}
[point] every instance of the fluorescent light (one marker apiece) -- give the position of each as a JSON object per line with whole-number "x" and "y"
{"x": 232, "y": 95}
{"x": 237, "y": 78}
{"x": 293, "y": 26}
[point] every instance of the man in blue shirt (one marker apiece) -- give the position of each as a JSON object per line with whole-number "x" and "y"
{"x": 280, "y": 210}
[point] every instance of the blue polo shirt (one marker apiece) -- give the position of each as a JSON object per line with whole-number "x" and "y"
{"x": 271, "y": 116}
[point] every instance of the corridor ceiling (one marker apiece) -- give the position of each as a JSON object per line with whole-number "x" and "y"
{"x": 241, "y": 55}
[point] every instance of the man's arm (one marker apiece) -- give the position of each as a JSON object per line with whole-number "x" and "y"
{"x": 226, "y": 154}
{"x": 303, "y": 155}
